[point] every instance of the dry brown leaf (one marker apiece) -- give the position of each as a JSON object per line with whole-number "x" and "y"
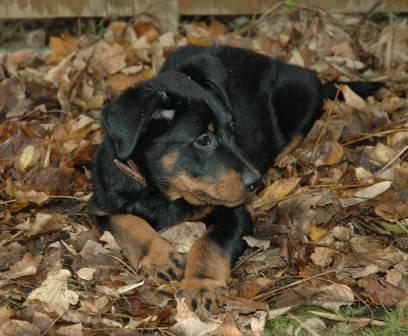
{"x": 25, "y": 267}
{"x": 352, "y": 99}
{"x": 19, "y": 328}
{"x": 328, "y": 153}
{"x": 54, "y": 292}
{"x": 242, "y": 305}
{"x": 382, "y": 292}
{"x": 330, "y": 297}
{"x": 42, "y": 321}
{"x": 188, "y": 324}
{"x": 323, "y": 256}
{"x": 258, "y": 323}
{"x": 110, "y": 241}
{"x": 45, "y": 223}
{"x": 262, "y": 244}
{"x": 275, "y": 192}
{"x": 183, "y": 236}
{"x": 33, "y": 196}
{"x": 366, "y": 194}
{"x": 61, "y": 47}
{"x": 98, "y": 256}
{"x": 71, "y": 330}
{"x": 107, "y": 59}
{"x": 86, "y": 273}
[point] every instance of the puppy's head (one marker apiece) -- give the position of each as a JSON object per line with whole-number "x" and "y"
{"x": 182, "y": 136}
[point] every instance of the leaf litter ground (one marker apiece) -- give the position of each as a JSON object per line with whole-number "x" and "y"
{"x": 331, "y": 223}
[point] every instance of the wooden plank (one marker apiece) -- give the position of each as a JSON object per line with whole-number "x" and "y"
{"x": 239, "y": 7}
{"x": 166, "y": 11}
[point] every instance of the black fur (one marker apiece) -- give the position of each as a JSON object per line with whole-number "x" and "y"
{"x": 257, "y": 104}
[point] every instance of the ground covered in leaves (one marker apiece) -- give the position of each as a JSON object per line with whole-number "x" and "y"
{"x": 332, "y": 221}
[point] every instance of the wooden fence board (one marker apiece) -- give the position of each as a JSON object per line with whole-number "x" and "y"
{"x": 166, "y": 11}
{"x": 236, "y": 7}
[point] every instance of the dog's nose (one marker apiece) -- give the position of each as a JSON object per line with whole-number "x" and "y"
{"x": 251, "y": 180}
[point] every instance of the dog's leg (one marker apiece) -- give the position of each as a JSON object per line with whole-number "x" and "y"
{"x": 145, "y": 248}
{"x": 210, "y": 258}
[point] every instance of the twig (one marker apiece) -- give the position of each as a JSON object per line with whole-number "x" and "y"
{"x": 123, "y": 263}
{"x": 304, "y": 325}
{"x": 392, "y": 160}
{"x": 6, "y": 241}
{"x": 377, "y": 134}
{"x": 368, "y": 13}
{"x": 268, "y": 295}
{"x": 8, "y": 202}
{"x": 45, "y": 332}
{"x": 238, "y": 265}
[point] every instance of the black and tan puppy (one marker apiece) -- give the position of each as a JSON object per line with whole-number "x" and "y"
{"x": 198, "y": 138}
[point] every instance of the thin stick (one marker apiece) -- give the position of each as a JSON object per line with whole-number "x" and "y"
{"x": 392, "y": 160}
{"x": 246, "y": 259}
{"x": 377, "y": 134}
{"x": 268, "y": 295}
{"x": 6, "y": 241}
{"x": 45, "y": 332}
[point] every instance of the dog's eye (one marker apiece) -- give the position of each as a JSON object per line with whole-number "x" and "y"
{"x": 203, "y": 140}
{"x": 233, "y": 127}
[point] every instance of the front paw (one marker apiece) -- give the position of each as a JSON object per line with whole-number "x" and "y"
{"x": 162, "y": 261}
{"x": 201, "y": 295}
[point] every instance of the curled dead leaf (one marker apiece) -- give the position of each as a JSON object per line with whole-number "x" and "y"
{"x": 275, "y": 192}
{"x": 351, "y": 98}
{"x": 54, "y": 292}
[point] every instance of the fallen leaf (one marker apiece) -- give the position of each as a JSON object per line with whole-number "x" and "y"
{"x": 45, "y": 223}
{"x": 323, "y": 256}
{"x": 54, "y": 292}
{"x": 183, "y": 236}
{"x": 351, "y": 98}
{"x": 71, "y": 330}
{"x": 25, "y": 267}
{"x": 86, "y": 273}
{"x": 328, "y": 153}
{"x": 110, "y": 241}
{"x": 275, "y": 192}
{"x": 98, "y": 256}
{"x": 262, "y": 244}
{"x": 33, "y": 196}
{"x": 61, "y": 47}
{"x": 19, "y": 328}
{"x": 366, "y": 193}
{"x": 258, "y": 323}
{"x": 242, "y": 305}
{"x": 188, "y": 324}
{"x": 330, "y": 297}
{"x": 316, "y": 233}
{"x": 382, "y": 292}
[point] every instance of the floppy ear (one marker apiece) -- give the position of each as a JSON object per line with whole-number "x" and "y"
{"x": 209, "y": 72}
{"x": 125, "y": 118}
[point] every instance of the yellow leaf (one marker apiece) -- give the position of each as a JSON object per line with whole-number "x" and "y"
{"x": 26, "y": 157}
{"x": 316, "y": 233}
{"x": 276, "y": 191}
